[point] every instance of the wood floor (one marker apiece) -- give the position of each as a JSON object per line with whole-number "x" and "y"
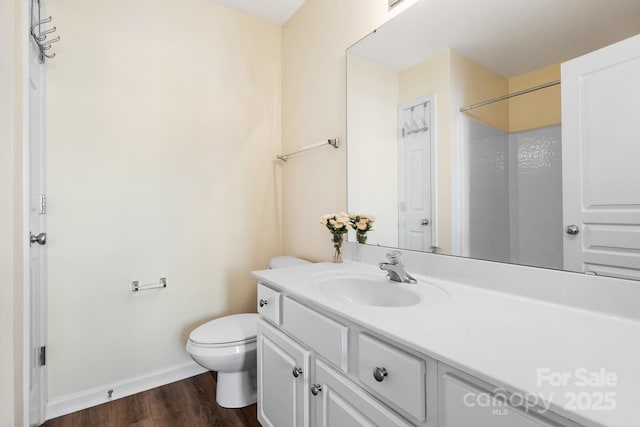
{"x": 187, "y": 403}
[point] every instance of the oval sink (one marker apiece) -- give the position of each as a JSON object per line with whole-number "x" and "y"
{"x": 364, "y": 291}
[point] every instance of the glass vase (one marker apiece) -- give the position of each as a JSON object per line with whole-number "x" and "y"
{"x": 361, "y": 237}
{"x": 337, "y": 247}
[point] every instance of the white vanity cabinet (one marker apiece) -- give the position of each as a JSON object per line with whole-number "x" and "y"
{"x": 316, "y": 369}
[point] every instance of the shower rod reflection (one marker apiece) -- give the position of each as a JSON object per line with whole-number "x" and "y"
{"x": 335, "y": 143}
{"x": 510, "y": 95}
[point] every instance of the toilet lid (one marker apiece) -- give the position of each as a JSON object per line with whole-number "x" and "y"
{"x": 228, "y": 329}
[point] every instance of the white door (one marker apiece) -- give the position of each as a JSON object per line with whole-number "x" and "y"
{"x": 416, "y": 169}
{"x": 37, "y": 250}
{"x": 283, "y": 370}
{"x": 600, "y": 153}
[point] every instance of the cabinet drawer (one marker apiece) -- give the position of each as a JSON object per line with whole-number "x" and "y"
{"x": 465, "y": 400}
{"x": 404, "y": 382}
{"x": 324, "y": 335}
{"x": 269, "y": 303}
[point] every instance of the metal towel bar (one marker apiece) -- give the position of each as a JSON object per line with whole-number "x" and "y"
{"x": 136, "y": 286}
{"x": 335, "y": 143}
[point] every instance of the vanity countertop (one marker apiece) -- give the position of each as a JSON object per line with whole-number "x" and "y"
{"x": 508, "y": 340}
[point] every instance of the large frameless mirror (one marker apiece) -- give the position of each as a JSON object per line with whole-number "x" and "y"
{"x": 454, "y": 131}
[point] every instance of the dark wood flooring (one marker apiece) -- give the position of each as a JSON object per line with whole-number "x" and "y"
{"x": 187, "y": 403}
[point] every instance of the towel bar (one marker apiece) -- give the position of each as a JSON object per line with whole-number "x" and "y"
{"x": 136, "y": 286}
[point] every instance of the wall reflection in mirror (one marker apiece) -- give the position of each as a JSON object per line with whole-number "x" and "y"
{"x": 454, "y": 124}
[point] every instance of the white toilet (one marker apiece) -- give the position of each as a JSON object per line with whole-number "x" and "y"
{"x": 228, "y": 345}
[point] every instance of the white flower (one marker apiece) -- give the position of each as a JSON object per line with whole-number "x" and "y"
{"x": 325, "y": 218}
{"x": 362, "y": 224}
{"x": 342, "y": 217}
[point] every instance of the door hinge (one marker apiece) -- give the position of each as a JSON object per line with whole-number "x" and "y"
{"x": 43, "y": 355}
{"x": 403, "y": 132}
{"x": 43, "y": 204}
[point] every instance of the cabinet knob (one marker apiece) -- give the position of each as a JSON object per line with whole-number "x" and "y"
{"x": 315, "y": 389}
{"x": 296, "y": 372}
{"x": 263, "y": 302}
{"x": 379, "y": 374}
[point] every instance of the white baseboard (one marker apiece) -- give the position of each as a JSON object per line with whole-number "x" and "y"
{"x": 97, "y": 395}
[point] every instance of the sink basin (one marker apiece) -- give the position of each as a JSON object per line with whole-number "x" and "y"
{"x": 364, "y": 291}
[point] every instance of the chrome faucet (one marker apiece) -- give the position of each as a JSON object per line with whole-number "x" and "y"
{"x": 395, "y": 269}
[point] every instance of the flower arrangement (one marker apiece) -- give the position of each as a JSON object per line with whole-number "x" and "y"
{"x": 339, "y": 223}
{"x": 361, "y": 223}
{"x": 336, "y": 223}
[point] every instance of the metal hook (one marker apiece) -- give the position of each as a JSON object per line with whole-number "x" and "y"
{"x": 43, "y": 21}
{"x": 43, "y": 34}
{"x": 49, "y": 42}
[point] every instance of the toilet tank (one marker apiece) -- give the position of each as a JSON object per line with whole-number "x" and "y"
{"x": 286, "y": 261}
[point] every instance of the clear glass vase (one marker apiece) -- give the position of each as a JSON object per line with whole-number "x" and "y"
{"x": 361, "y": 237}
{"x": 337, "y": 247}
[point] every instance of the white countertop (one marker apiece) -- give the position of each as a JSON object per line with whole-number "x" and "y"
{"x": 498, "y": 337}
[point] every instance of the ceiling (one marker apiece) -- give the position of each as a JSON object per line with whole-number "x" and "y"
{"x": 509, "y": 36}
{"x": 275, "y": 11}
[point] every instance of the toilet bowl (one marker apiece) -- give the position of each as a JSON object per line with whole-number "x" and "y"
{"x": 228, "y": 345}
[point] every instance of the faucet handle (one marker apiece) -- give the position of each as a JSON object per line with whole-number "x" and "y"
{"x": 394, "y": 257}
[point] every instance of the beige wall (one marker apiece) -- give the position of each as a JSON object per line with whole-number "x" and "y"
{"x": 314, "y": 183}
{"x": 434, "y": 76}
{"x": 536, "y": 109}
{"x": 372, "y": 163}
{"x": 164, "y": 119}
{"x": 476, "y": 83}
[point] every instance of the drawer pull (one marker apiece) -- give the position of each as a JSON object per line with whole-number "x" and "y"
{"x": 296, "y": 372}
{"x": 263, "y": 302}
{"x": 379, "y": 374}
{"x": 315, "y": 389}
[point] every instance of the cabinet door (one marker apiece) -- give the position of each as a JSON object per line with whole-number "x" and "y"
{"x": 465, "y": 401}
{"x": 341, "y": 403}
{"x": 282, "y": 396}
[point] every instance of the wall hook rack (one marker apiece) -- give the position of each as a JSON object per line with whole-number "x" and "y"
{"x": 40, "y": 36}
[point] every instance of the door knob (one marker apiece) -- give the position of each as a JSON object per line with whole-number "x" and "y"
{"x": 263, "y": 302}
{"x": 425, "y": 221}
{"x": 572, "y": 230}
{"x": 40, "y": 239}
{"x": 297, "y": 372}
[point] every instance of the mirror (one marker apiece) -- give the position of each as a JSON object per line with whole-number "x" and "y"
{"x": 442, "y": 164}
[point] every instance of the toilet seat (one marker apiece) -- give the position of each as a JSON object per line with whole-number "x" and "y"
{"x": 238, "y": 344}
{"x": 228, "y": 331}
